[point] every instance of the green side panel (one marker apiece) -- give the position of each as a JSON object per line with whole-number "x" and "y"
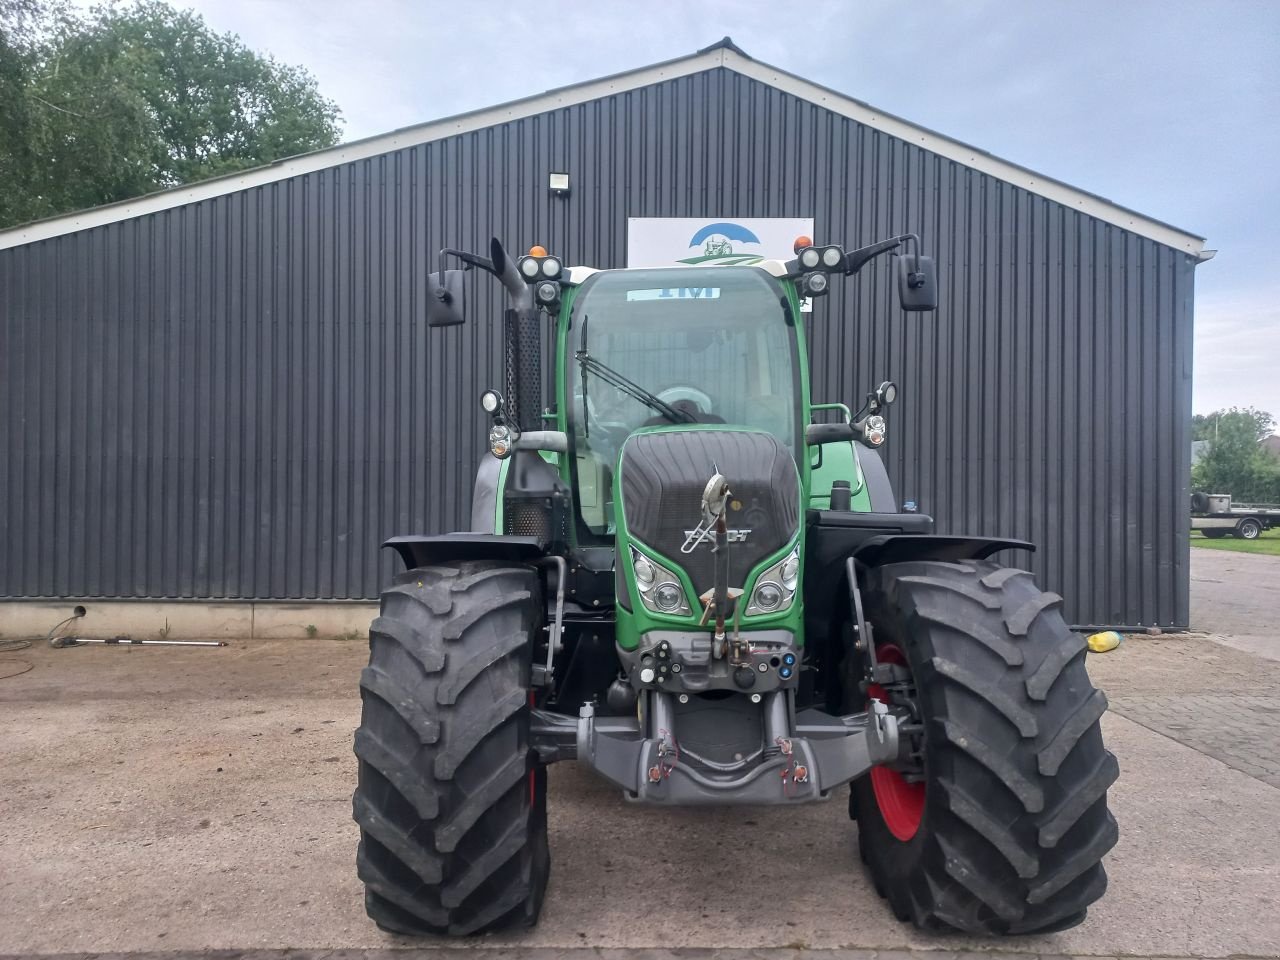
{"x": 832, "y": 462}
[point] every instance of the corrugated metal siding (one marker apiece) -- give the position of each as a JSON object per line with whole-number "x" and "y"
{"x": 239, "y": 398}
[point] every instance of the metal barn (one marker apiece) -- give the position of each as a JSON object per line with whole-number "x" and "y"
{"x": 228, "y": 390}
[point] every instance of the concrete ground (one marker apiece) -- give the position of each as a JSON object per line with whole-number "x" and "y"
{"x": 176, "y": 800}
{"x": 1236, "y": 596}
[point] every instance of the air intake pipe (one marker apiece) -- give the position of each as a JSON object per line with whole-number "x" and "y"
{"x": 521, "y": 343}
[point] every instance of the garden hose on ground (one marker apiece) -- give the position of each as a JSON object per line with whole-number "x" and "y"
{"x": 14, "y": 667}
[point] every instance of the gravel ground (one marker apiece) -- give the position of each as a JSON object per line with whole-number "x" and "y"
{"x": 161, "y": 799}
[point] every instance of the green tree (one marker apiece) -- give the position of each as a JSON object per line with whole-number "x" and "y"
{"x": 133, "y": 99}
{"x": 1204, "y": 426}
{"x": 1234, "y": 462}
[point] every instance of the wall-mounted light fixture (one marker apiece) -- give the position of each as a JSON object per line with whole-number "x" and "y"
{"x": 559, "y": 184}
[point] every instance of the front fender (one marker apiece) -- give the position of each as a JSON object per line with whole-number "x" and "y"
{"x": 903, "y": 548}
{"x": 422, "y": 551}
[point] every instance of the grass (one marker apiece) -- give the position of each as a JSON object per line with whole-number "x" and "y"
{"x": 1268, "y": 543}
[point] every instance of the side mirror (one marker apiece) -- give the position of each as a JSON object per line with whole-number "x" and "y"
{"x": 444, "y": 300}
{"x": 917, "y": 283}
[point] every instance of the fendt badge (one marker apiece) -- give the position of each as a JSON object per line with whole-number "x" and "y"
{"x": 698, "y": 535}
{"x": 714, "y": 498}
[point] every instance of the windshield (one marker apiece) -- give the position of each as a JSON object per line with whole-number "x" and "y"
{"x": 674, "y": 346}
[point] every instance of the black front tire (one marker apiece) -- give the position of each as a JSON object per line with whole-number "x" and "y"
{"x": 451, "y": 802}
{"x": 1215, "y": 533}
{"x": 1015, "y": 819}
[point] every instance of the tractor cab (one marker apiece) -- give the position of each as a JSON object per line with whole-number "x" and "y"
{"x": 652, "y": 350}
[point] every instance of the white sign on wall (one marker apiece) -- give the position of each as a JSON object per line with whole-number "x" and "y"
{"x": 667, "y": 241}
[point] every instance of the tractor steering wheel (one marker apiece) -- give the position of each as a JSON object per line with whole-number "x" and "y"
{"x": 689, "y": 394}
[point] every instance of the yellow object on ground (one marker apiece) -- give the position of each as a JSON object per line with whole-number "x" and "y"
{"x": 1103, "y": 642}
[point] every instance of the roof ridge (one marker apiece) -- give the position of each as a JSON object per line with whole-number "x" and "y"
{"x": 725, "y": 43}
{"x": 723, "y": 54}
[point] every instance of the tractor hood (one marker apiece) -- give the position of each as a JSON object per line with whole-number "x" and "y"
{"x": 661, "y": 477}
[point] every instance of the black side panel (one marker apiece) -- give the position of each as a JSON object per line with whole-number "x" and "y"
{"x": 422, "y": 551}
{"x": 535, "y": 501}
{"x": 664, "y": 474}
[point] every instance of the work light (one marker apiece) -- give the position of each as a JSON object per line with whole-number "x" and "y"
{"x": 873, "y": 429}
{"x": 816, "y": 284}
{"x": 810, "y": 257}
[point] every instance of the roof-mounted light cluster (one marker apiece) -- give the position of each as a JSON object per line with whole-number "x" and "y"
{"x": 545, "y": 273}
{"x": 815, "y": 263}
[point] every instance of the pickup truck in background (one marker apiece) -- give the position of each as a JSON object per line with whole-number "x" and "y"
{"x": 1214, "y": 515}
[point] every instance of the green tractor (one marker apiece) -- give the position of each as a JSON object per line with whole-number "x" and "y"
{"x": 686, "y": 576}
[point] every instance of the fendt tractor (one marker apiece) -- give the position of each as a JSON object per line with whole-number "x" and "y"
{"x": 689, "y": 578}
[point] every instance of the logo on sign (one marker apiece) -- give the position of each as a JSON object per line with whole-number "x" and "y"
{"x": 717, "y": 242}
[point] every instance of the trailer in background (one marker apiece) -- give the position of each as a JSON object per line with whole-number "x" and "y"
{"x": 1214, "y": 515}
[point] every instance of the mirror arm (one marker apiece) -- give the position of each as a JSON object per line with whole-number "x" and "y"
{"x": 499, "y": 265}
{"x": 855, "y": 260}
{"x": 470, "y": 259}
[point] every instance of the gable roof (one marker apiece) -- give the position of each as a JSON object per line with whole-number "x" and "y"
{"x": 723, "y": 54}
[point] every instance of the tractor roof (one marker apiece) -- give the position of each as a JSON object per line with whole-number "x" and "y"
{"x": 775, "y": 268}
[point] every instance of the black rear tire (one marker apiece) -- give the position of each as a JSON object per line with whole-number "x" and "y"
{"x": 1215, "y": 533}
{"x": 1248, "y": 529}
{"x": 451, "y": 802}
{"x": 1015, "y": 819}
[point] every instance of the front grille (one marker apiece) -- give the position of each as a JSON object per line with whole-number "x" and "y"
{"x": 663, "y": 476}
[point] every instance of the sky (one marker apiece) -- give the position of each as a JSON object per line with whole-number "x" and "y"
{"x": 1171, "y": 108}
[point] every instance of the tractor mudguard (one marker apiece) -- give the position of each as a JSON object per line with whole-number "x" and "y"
{"x": 906, "y": 547}
{"x": 484, "y": 496}
{"x": 874, "y": 475}
{"x": 423, "y": 551}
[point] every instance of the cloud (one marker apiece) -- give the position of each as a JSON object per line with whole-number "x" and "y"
{"x": 1237, "y": 351}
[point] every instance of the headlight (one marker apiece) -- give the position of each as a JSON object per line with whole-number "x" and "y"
{"x": 529, "y": 267}
{"x": 668, "y": 597}
{"x": 644, "y": 572}
{"x": 659, "y": 588}
{"x": 776, "y": 588}
{"x": 768, "y": 596}
{"x": 831, "y": 257}
{"x": 547, "y": 292}
{"x": 551, "y": 267}
{"x": 789, "y": 570}
{"x": 810, "y": 257}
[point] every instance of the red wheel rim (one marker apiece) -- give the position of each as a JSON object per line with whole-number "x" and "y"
{"x": 901, "y": 803}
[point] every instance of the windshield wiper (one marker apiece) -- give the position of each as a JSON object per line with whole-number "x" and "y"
{"x": 632, "y": 389}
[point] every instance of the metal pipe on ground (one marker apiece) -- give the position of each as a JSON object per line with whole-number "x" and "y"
{"x": 128, "y": 641}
